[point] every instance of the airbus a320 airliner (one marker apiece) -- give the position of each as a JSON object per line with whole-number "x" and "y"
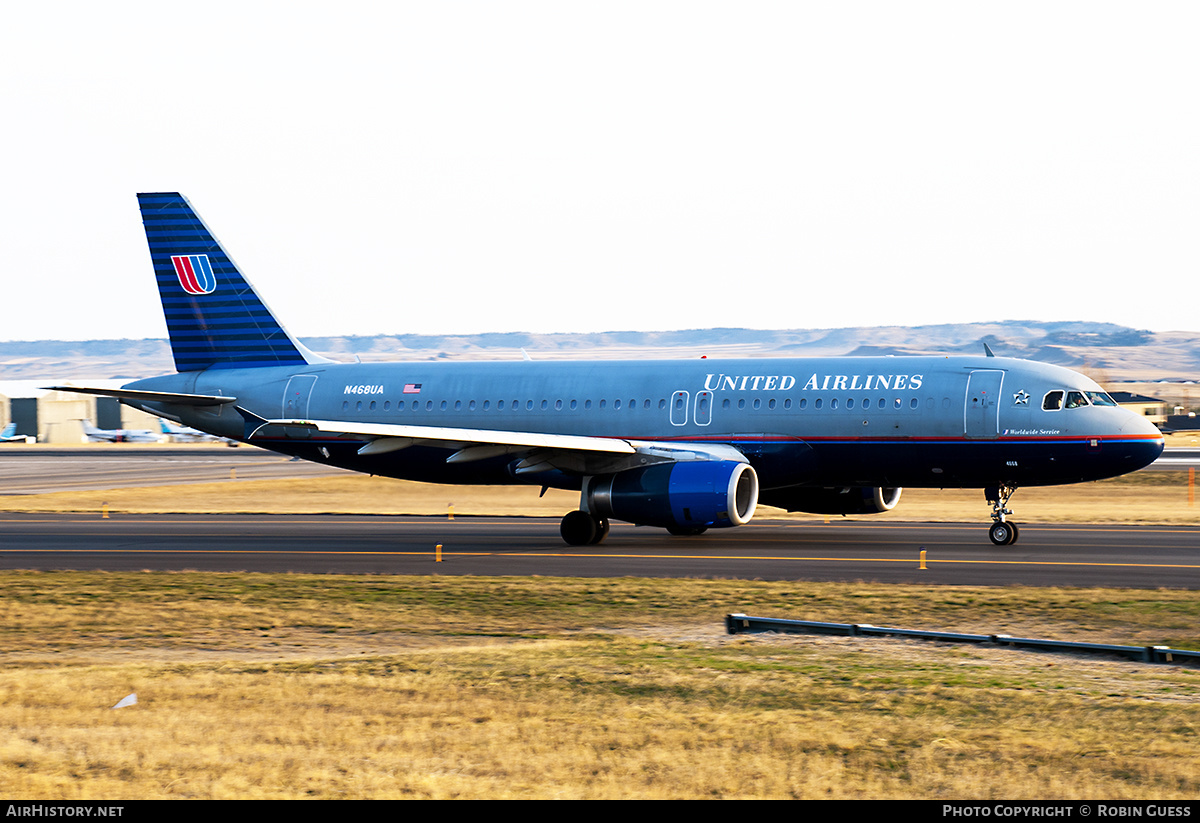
{"x": 684, "y": 445}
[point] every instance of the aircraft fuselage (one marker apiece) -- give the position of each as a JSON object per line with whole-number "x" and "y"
{"x": 935, "y": 422}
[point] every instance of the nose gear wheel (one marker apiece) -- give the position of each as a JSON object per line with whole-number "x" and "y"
{"x": 1002, "y": 532}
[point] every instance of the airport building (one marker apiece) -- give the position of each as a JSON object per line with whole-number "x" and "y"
{"x": 57, "y": 417}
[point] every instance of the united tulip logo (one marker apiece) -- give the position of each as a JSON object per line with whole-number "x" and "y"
{"x": 195, "y": 273}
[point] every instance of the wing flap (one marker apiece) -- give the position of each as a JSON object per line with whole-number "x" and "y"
{"x": 535, "y": 452}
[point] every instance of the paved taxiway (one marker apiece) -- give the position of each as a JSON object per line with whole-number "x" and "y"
{"x": 1121, "y": 556}
{"x": 42, "y": 469}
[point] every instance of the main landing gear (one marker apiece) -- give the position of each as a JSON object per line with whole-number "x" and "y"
{"x": 1002, "y": 532}
{"x": 580, "y": 528}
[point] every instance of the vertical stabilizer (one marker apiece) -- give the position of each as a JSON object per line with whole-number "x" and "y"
{"x": 214, "y": 317}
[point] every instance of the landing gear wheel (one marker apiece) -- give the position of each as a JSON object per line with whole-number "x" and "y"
{"x": 1003, "y": 533}
{"x": 578, "y": 528}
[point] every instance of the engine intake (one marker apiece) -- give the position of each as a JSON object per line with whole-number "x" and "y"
{"x": 691, "y": 494}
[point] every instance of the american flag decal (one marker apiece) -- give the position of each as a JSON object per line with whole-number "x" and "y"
{"x": 195, "y": 273}
{"x": 412, "y": 388}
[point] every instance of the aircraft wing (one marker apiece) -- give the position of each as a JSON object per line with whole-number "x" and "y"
{"x": 565, "y": 452}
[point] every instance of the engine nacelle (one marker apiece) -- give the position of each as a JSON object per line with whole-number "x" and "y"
{"x": 688, "y": 494}
{"x": 850, "y": 500}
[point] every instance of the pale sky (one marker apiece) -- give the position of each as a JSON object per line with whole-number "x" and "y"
{"x": 463, "y": 167}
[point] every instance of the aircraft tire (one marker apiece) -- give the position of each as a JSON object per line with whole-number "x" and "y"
{"x": 578, "y": 528}
{"x": 1003, "y": 533}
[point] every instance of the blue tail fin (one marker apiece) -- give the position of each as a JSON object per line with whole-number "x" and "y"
{"x": 214, "y": 317}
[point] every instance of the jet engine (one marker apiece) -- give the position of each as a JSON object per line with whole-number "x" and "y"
{"x": 849, "y": 500}
{"x": 685, "y": 497}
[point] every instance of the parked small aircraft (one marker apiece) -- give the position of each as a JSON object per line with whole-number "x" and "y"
{"x": 9, "y": 435}
{"x": 184, "y": 434}
{"x": 95, "y": 435}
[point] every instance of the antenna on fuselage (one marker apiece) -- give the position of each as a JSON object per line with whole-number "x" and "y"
{"x": 987, "y": 350}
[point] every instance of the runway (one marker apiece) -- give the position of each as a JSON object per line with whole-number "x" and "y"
{"x": 956, "y": 554}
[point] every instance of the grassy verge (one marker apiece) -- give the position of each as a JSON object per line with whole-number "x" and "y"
{"x": 1143, "y": 497}
{"x": 339, "y": 686}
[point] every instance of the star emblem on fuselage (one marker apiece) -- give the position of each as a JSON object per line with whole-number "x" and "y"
{"x": 1021, "y": 398}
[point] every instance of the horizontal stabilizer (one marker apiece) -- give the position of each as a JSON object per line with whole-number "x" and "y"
{"x": 151, "y": 396}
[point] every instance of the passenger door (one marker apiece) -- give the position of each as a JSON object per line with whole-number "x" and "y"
{"x": 981, "y": 414}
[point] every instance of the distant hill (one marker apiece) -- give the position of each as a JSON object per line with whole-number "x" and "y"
{"x": 1106, "y": 351}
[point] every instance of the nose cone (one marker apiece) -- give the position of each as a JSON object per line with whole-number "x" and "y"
{"x": 1145, "y": 443}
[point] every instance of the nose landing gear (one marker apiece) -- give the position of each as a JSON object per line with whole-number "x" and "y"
{"x": 1002, "y": 532}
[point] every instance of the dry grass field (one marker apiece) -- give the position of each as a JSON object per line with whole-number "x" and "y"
{"x": 292, "y": 686}
{"x": 1145, "y": 497}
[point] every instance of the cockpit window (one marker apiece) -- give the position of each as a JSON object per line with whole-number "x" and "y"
{"x": 1075, "y": 400}
{"x": 1054, "y": 400}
